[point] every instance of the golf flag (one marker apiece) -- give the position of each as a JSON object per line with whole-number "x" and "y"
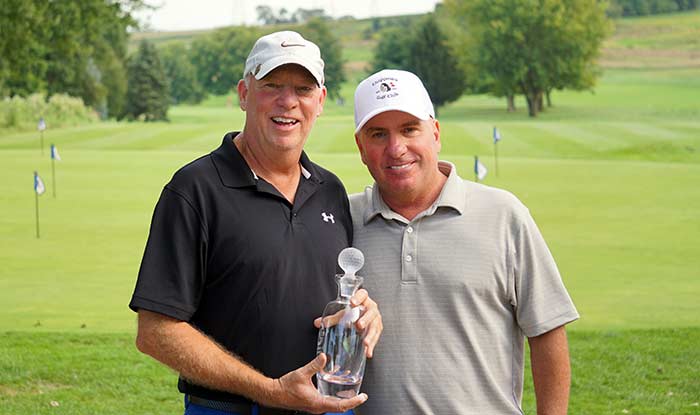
{"x": 480, "y": 170}
{"x": 39, "y": 187}
{"x": 41, "y": 126}
{"x": 54, "y": 153}
{"x": 496, "y": 139}
{"x": 54, "y": 157}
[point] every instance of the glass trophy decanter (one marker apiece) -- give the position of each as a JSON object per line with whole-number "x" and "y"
{"x": 338, "y": 337}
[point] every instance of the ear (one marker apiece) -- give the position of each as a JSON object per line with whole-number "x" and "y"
{"x": 322, "y": 99}
{"x": 436, "y": 135}
{"x": 360, "y": 148}
{"x": 242, "y": 94}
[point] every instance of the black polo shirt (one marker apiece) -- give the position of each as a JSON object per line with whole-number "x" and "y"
{"x": 230, "y": 255}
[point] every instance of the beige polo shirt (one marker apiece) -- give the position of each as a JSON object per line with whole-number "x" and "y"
{"x": 459, "y": 288}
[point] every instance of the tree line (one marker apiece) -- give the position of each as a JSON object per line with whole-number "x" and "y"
{"x": 619, "y": 8}
{"x": 501, "y": 47}
{"x": 77, "y": 48}
{"x": 213, "y": 63}
{"x": 80, "y": 49}
{"x": 267, "y": 15}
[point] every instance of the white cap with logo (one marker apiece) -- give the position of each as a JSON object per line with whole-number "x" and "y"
{"x": 281, "y": 48}
{"x": 391, "y": 90}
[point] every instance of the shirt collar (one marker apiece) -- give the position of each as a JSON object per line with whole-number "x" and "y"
{"x": 235, "y": 172}
{"x": 451, "y": 196}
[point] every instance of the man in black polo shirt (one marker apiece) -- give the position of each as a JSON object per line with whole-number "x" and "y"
{"x": 242, "y": 251}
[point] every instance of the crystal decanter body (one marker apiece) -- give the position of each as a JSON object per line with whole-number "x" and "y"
{"x": 339, "y": 337}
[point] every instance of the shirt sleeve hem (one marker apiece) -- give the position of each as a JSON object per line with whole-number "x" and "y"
{"x": 551, "y": 324}
{"x": 139, "y": 303}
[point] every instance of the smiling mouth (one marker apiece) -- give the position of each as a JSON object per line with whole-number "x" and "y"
{"x": 400, "y": 166}
{"x": 284, "y": 121}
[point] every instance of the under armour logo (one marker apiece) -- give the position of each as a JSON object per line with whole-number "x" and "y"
{"x": 327, "y": 217}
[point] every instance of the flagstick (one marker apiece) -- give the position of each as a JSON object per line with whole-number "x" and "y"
{"x": 495, "y": 149}
{"x": 36, "y": 203}
{"x": 53, "y": 175}
{"x": 41, "y": 142}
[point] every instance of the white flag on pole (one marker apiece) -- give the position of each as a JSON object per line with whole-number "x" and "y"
{"x": 480, "y": 170}
{"x": 54, "y": 153}
{"x": 39, "y": 187}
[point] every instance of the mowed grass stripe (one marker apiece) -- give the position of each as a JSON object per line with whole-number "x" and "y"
{"x": 616, "y": 229}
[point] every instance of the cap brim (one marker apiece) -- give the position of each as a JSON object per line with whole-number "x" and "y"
{"x": 421, "y": 115}
{"x": 270, "y": 65}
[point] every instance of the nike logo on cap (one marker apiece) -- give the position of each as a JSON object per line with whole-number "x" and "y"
{"x": 286, "y": 45}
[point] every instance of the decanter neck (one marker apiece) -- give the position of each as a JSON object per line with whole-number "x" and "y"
{"x": 347, "y": 285}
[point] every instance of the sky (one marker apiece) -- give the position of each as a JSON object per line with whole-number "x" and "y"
{"x": 176, "y": 15}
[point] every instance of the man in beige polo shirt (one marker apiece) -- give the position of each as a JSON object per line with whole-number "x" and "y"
{"x": 461, "y": 270}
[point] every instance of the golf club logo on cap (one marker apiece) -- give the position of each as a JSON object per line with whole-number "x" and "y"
{"x": 387, "y": 88}
{"x": 391, "y": 90}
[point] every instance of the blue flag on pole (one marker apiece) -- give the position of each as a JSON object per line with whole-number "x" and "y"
{"x": 42, "y": 124}
{"x": 54, "y": 153}
{"x": 39, "y": 187}
{"x": 496, "y": 135}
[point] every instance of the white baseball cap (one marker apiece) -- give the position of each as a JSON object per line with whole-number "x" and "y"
{"x": 391, "y": 90}
{"x": 281, "y": 48}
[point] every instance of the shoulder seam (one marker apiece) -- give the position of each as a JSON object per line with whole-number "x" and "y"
{"x": 191, "y": 205}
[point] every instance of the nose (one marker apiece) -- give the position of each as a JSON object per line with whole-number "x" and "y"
{"x": 396, "y": 146}
{"x": 287, "y": 97}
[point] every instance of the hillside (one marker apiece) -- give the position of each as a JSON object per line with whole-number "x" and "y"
{"x": 661, "y": 41}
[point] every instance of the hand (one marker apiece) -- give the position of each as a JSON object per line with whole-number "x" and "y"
{"x": 296, "y": 391}
{"x": 371, "y": 320}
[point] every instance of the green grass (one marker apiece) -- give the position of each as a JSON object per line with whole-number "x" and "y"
{"x": 661, "y": 41}
{"x": 650, "y": 372}
{"x": 677, "y": 31}
{"x": 611, "y": 179}
{"x": 622, "y": 224}
{"x": 88, "y": 373}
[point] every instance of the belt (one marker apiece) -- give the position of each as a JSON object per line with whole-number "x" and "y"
{"x": 240, "y": 408}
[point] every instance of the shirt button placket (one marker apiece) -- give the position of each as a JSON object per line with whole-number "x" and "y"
{"x": 409, "y": 271}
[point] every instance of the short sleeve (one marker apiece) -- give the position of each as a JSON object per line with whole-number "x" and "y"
{"x": 172, "y": 272}
{"x": 542, "y": 303}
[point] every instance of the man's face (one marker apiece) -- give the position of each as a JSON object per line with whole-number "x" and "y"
{"x": 401, "y": 153}
{"x": 281, "y": 108}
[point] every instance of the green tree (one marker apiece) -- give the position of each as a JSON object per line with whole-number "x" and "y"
{"x": 147, "y": 96}
{"x": 78, "y": 48}
{"x": 184, "y": 86}
{"x": 302, "y": 15}
{"x": 392, "y": 50}
{"x": 23, "y": 42}
{"x": 534, "y": 46}
{"x": 645, "y": 7}
{"x": 432, "y": 59}
{"x": 317, "y": 31}
{"x": 266, "y": 15}
{"x": 219, "y": 58}
{"x": 114, "y": 79}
